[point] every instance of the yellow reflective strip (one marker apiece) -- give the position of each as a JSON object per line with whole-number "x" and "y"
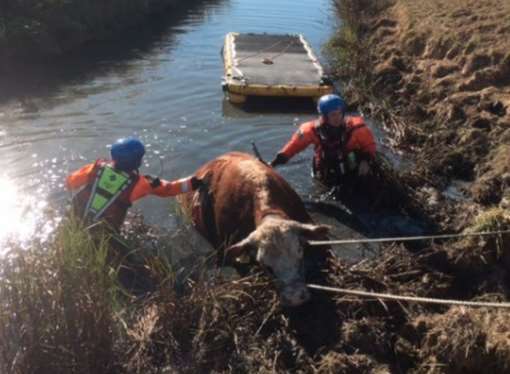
{"x": 98, "y": 202}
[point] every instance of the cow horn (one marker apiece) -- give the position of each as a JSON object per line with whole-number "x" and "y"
{"x": 315, "y": 230}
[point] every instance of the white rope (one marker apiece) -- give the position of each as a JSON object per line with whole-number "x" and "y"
{"x": 415, "y": 299}
{"x": 404, "y": 238}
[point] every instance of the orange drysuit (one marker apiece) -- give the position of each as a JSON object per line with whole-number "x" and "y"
{"x": 141, "y": 186}
{"x": 331, "y": 151}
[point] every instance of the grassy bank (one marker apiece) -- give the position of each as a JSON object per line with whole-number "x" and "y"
{"x": 32, "y": 30}
{"x": 58, "y": 307}
{"x": 349, "y": 52}
{"x": 64, "y": 308}
{"x": 437, "y": 77}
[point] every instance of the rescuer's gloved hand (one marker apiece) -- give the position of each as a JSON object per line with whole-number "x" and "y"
{"x": 155, "y": 182}
{"x": 196, "y": 183}
{"x": 280, "y": 159}
{"x": 363, "y": 168}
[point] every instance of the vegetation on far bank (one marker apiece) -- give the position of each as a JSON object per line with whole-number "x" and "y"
{"x": 37, "y": 29}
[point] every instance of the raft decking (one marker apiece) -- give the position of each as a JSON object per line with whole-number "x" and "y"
{"x": 271, "y": 65}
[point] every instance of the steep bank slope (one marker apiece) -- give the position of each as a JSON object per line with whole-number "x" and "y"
{"x": 442, "y": 70}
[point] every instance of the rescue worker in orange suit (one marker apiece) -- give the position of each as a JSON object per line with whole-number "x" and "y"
{"x": 344, "y": 145}
{"x": 108, "y": 188}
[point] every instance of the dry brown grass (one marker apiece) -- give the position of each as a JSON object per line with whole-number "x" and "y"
{"x": 436, "y": 75}
{"x": 465, "y": 341}
{"x": 62, "y": 312}
{"x": 473, "y": 256}
{"x": 57, "y": 307}
{"x": 446, "y": 66}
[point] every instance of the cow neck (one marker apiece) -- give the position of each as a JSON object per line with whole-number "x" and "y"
{"x": 264, "y": 204}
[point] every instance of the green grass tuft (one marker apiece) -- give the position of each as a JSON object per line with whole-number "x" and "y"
{"x": 57, "y": 306}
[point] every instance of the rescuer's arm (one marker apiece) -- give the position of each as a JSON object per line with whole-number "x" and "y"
{"x": 364, "y": 143}
{"x": 80, "y": 177}
{"x": 163, "y": 188}
{"x": 299, "y": 141}
{"x": 365, "y": 149}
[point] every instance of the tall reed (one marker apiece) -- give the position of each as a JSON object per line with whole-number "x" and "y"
{"x": 57, "y": 305}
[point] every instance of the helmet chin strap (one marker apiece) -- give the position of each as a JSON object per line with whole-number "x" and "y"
{"x": 324, "y": 121}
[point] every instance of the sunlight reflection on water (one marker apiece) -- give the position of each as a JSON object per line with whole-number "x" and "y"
{"x": 21, "y": 216}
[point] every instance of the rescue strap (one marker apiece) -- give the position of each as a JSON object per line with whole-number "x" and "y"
{"x": 257, "y": 153}
{"x": 415, "y": 299}
{"x": 92, "y": 194}
{"x": 405, "y": 238}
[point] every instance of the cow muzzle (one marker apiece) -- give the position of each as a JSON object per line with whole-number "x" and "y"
{"x": 294, "y": 294}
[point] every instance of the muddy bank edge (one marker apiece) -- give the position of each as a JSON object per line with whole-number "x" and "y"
{"x": 438, "y": 77}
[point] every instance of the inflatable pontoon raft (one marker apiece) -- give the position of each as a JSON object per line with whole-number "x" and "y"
{"x": 271, "y": 65}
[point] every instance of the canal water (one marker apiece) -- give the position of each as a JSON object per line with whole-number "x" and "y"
{"x": 161, "y": 83}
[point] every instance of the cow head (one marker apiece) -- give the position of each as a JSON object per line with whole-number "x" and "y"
{"x": 278, "y": 245}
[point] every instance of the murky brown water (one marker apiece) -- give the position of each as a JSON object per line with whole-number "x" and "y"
{"x": 163, "y": 85}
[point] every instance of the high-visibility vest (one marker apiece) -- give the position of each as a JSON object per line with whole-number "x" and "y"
{"x": 106, "y": 197}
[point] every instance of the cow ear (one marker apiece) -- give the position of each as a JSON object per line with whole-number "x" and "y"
{"x": 314, "y": 230}
{"x": 239, "y": 250}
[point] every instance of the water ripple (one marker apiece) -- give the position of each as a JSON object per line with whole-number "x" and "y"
{"x": 162, "y": 85}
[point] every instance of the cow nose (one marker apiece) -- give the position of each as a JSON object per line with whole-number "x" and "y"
{"x": 295, "y": 296}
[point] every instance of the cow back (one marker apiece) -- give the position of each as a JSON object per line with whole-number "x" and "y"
{"x": 228, "y": 209}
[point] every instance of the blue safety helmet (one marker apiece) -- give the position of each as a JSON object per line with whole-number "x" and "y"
{"x": 127, "y": 153}
{"x": 330, "y": 103}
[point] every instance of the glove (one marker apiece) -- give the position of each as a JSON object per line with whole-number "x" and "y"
{"x": 363, "y": 168}
{"x": 155, "y": 182}
{"x": 280, "y": 159}
{"x": 196, "y": 183}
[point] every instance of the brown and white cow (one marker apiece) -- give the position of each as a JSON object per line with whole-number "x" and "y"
{"x": 248, "y": 208}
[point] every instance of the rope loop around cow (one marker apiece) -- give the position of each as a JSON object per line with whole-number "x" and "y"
{"x": 415, "y": 299}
